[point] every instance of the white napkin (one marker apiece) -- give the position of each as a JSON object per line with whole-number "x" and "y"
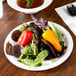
{"x": 69, "y": 20}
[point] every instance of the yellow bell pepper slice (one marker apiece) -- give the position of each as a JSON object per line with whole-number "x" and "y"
{"x": 50, "y": 36}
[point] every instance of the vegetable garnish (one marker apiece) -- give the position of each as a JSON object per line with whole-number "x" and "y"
{"x": 41, "y": 56}
{"x": 29, "y": 3}
{"x": 41, "y": 22}
{"x": 49, "y": 36}
{"x": 25, "y": 37}
{"x": 34, "y": 47}
{"x": 27, "y": 51}
{"x": 49, "y": 46}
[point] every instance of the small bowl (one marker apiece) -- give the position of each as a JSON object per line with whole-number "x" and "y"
{"x": 13, "y": 4}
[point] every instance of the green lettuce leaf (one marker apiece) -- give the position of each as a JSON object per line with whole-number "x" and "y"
{"x": 27, "y": 61}
{"x": 27, "y": 51}
{"x": 41, "y": 56}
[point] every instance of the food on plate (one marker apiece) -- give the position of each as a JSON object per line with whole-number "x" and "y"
{"x": 16, "y": 50}
{"x": 9, "y": 48}
{"x": 15, "y": 35}
{"x": 30, "y": 3}
{"x": 51, "y": 48}
{"x": 41, "y": 56}
{"x": 35, "y": 42}
{"x": 25, "y": 37}
{"x": 50, "y": 36}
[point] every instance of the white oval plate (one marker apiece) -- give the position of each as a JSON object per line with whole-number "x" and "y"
{"x": 46, "y": 64}
{"x": 13, "y": 4}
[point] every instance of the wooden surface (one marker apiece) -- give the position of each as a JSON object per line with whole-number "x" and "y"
{"x": 11, "y": 19}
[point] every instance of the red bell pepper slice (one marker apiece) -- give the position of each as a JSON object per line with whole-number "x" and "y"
{"x": 25, "y": 37}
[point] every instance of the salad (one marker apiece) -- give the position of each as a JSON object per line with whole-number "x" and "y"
{"x": 35, "y": 42}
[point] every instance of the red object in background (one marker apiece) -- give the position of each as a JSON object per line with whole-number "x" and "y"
{"x": 25, "y": 37}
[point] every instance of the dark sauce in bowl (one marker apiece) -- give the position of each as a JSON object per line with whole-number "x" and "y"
{"x": 37, "y": 3}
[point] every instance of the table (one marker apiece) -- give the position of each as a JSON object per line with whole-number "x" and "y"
{"x": 11, "y": 19}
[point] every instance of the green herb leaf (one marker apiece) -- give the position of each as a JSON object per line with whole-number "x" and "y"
{"x": 29, "y": 3}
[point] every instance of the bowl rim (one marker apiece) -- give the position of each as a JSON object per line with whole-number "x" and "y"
{"x": 28, "y": 11}
{"x": 57, "y": 63}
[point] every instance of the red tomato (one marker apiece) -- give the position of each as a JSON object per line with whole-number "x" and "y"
{"x": 25, "y": 37}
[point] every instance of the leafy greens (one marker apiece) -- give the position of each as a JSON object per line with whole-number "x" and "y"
{"x": 41, "y": 56}
{"x": 29, "y": 3}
